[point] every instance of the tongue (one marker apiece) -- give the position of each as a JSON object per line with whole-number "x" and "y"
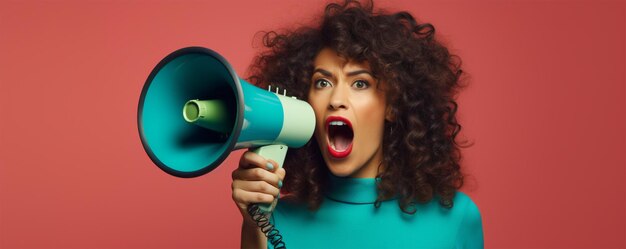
{"x": 342, "y": 141}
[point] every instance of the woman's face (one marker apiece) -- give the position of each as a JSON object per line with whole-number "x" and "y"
{"x": 350, "y": 112}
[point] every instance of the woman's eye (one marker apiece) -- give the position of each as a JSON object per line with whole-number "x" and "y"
{"x": 360, "y": 84}
{"x": 322, "y": 83}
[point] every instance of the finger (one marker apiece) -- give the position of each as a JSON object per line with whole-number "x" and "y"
{"x": 281, "y": 176}
{"x": 281, "y": 173}
{"x": 256, "y": 174}
{"x": 246, "y": 197}
{"x": 250, "y": 160}
{"x": 274, "y": 167}
{"x": 256, "y": 186}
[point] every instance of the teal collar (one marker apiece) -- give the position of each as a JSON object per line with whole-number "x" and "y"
{"x": 352, "y": 190}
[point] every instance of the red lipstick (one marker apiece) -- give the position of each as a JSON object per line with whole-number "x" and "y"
{"x": 339, "y": 136}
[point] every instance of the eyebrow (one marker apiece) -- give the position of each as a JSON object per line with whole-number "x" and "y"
{"x": 353, "y": 73}
{"x": 323, "y": 72}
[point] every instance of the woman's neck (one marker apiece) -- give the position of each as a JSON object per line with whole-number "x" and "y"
{"x": 352, "y": 190}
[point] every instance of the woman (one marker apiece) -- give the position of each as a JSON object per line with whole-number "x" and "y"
{"x": 383, "y": 168}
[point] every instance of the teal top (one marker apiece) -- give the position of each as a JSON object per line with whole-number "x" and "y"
{"x": 348, "y": 219}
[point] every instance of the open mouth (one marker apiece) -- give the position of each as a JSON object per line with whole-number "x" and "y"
{"x": 340, "y": 136}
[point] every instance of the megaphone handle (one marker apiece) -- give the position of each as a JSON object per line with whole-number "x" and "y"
{"x": 260, "y": 212}
{"x": 276, "y": 152}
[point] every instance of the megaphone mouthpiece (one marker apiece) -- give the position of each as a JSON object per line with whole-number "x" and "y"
{"x": 210, "y": 114}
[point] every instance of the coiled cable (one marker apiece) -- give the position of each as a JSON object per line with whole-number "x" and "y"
{"x": 262, "y": 221}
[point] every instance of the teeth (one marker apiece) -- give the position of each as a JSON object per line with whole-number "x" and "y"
{"x": 337, "y": 123}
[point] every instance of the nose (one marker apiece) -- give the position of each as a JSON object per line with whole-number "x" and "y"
{"x": 338, "y": 98}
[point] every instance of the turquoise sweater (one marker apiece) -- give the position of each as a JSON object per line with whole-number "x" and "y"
{"x": 348, "y": 219}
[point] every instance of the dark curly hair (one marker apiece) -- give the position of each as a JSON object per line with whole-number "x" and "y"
{"x": 419, "y": 146}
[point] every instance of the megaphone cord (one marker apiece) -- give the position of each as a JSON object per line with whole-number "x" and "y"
{"x": 262, "y": 221}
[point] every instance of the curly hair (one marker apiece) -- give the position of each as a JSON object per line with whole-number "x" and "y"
{"x": 420, "y": 150}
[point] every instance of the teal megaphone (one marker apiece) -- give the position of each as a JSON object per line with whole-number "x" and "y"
{"x": 194, "y": 110}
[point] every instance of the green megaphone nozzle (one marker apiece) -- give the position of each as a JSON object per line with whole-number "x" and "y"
{"x": 210, "y": 114}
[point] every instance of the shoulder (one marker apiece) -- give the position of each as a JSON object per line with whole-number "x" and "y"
{"x": 466, "y": 209}
{"x": 470, "y": 234}
{"x": 466, "y": 204}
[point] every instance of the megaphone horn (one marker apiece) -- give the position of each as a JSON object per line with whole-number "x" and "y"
{"x": 194, "y": 110}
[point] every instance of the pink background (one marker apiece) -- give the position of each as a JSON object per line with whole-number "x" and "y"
{"x": 545, "y": 109}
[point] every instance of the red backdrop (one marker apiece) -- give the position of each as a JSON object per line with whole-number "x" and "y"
{"x": 545, "y": 109}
